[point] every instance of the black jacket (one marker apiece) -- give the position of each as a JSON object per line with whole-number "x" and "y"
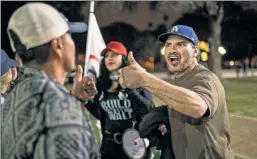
{"x": 141, "y": 97}
{"x": 148, "y": 128}
{"x": 142, "y": 105}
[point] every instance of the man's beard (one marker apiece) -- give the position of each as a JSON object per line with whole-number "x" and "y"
{"x": 184, "y": 66}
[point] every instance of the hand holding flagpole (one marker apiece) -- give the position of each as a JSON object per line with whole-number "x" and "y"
{"x": 95, "y": 44}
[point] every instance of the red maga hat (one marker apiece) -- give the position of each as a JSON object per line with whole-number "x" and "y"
{"x": 115, "y": 46}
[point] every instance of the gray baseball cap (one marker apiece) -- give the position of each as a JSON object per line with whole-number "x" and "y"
{"x": 38, "y": 23}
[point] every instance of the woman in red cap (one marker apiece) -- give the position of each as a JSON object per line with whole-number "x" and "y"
{"x": 115, "y": 107}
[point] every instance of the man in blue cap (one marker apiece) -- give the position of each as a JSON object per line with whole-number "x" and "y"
{"x": 7, "y": 63}
{"x": 41, "y": 119}
{"x": 8, "y": 72}
{"x": 196, "y": 99}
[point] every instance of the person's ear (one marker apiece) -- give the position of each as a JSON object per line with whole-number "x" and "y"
{"x": 196, "y": 51}
{"x": 57, "y": 46}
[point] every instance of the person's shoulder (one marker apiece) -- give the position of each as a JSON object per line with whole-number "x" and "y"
{"x": 56, "y": 90}
{"x": 47, "y": 87}
{"x": 202, "y": 72}
{"x": 31, "y": 86}
{"x": 61, "y": 107}
{"x": 206, "y": 76}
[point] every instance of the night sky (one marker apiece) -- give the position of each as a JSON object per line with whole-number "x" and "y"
{"x": 239, "y": 28}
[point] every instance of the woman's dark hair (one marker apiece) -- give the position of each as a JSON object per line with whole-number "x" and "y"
{"x": 104, "y": 82}
{"x": 37, "y": 55}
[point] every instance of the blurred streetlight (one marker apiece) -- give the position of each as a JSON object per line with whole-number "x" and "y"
{"x": 204, "y": 46}
{"x": 204, "y": 56}
{"x": 221, "y": 50}
{"x": 231, "y": 63}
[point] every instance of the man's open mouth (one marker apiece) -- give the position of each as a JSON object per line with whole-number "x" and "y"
{"x": 174, "y": 59}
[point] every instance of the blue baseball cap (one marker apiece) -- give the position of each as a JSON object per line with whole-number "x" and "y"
{"x": 75, "y": 27}
{"x": 180, "y": 30}
{"x": 7, "y": 63}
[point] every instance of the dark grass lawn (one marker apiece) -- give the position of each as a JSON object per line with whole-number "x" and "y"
{"x": 241, "y": 96}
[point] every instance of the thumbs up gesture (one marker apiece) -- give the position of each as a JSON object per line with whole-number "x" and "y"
{"x": 83, "y": 87}
{"x": 132, "y": 76}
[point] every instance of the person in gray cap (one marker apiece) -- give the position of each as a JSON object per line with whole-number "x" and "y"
{"x": 196, "y": 99}
{"x": 41, "y": 119}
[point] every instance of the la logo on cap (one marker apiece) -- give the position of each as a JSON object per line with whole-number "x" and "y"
{"x": 174, "y": 29}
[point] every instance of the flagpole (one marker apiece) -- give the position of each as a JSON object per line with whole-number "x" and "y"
{"x": 89, "y": 41}
{"x": 89, "y": 34}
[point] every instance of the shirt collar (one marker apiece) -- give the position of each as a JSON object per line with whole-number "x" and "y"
{"x": 36, "y": 73}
